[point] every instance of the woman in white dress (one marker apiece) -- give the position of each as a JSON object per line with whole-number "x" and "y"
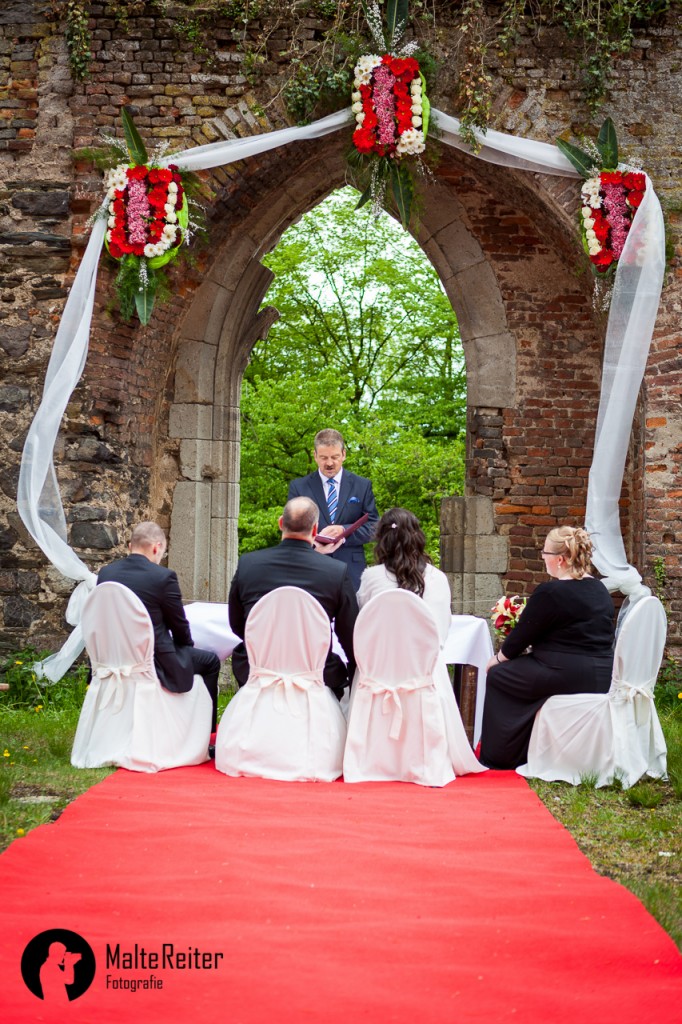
{"x": 402, "y": 563}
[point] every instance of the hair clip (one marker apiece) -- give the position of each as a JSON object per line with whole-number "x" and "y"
{"x": 394, "y": 526}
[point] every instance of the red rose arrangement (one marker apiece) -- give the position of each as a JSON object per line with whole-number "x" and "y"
{"x": 146, "y": 212}
{"x": 610, "y": 200}
{"x": 611, "y": 196}
{"x": 390, "y": 106}
{"x": 391, "y": 114}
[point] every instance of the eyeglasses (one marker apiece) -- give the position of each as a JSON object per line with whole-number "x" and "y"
{"x": 555, "y": 553}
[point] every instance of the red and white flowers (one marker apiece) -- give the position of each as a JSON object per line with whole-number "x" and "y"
{"x": 505, "y": 614}
{"x": 390, "y": 106}
{"x": 145, "y": 204}
{"x": 609, "y": 200}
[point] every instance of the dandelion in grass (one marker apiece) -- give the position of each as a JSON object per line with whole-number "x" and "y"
{"x": 18, "y": 663}
{"x": 6, "y": 753}
{"x": 21, "y": 832}
{"x": 38, "y": 707}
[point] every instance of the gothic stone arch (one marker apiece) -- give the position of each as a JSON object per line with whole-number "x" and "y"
{"x": 503, "y": 245}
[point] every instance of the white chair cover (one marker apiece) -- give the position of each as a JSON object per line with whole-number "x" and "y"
{"x": 127, "y": 718}
{"x": 396, "y": 722}
{"x": 284, "y": 723}
{"x": 614, "y": 735}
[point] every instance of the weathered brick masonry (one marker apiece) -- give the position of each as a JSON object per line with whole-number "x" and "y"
{"x": 153, "y": 426}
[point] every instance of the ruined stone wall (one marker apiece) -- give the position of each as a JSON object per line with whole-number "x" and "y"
{"x": 120, "y": 454}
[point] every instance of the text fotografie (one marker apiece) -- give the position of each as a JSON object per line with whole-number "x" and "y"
{"x": 167, "y": 958}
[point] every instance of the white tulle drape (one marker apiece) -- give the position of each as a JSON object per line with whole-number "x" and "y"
{"x": 633, "y": 312}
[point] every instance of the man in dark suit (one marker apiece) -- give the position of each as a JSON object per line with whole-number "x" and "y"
{"x": 294, "y": 562}
{"x": 342, "y": 498}
{"x": 176, "y": 659}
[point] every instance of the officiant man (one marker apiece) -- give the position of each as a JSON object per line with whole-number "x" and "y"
{"x": 342, "y": 498}
{"x": 295, "y": 562}
{"x": 176, "y": 659}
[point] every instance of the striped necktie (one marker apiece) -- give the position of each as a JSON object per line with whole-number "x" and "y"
{"x": 332, "y": 499}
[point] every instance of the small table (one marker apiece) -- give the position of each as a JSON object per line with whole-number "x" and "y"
{"x": 469, "y": 643}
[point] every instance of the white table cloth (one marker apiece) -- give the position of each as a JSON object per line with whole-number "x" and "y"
{"x": 210, "y": 626}
{"x": 468, "y": 643}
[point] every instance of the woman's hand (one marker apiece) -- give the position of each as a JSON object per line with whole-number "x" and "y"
{"x": 497, "y": 659}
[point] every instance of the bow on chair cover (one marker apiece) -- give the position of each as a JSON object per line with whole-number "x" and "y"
{"x": 119, "y": 676}
{"x": 286, "y": 688}
{"x": 396, "y": 720}
{"x": 127, "y": 718}
{"x": 639, "y": 278}
{"x": 284, "y": 723}
{"x": 614, "y": 735}
{"x": 391, "y": 703}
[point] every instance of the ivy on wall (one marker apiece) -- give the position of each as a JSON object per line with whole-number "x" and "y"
{"x": 319, "y": 73}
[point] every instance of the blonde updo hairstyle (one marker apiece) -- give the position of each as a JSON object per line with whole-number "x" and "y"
{"x": 576, "y": 547}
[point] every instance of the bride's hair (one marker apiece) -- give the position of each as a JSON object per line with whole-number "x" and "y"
{"x": 400, "y": 546}
{"x": 575, "y": 545}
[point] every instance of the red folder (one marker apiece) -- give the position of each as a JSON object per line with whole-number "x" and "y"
{"x": 323, "y": 539}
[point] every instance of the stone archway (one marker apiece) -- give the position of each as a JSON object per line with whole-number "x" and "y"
{"x": 502, "y": 244}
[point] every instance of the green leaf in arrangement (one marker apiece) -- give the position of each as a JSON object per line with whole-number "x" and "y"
{"x": 403, "y": 193}
{"x": 136, "y": 147}
{"x": 144, "y": 303}
{"x": 364, "y": 198}
{"x": 396, "y": 16}
{"x": 607, "y": 144}
{"x": 582, "y": 161}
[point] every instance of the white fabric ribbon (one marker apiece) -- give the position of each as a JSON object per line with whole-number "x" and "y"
{"x": 624, "y": 692}
{"x": 637, "y": 288}
{"x": 286, "y": 685}
{"x": 116, "y": 674}
{"x": 391, "y": 702}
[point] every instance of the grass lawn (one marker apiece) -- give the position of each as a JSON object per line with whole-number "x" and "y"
{"x": 632, "y": 836}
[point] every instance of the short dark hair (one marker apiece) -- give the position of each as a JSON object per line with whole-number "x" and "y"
{"x": 300, "y": 515}
{"x": 329, "y": 437}
{"x": 145, "y": 535}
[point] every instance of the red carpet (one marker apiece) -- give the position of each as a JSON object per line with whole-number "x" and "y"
{"x": 332, "y": 904}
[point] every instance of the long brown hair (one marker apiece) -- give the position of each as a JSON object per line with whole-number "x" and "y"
{"x": 400, "y": 546}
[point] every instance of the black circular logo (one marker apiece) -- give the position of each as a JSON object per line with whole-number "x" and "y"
{"x": 58, "y": 966}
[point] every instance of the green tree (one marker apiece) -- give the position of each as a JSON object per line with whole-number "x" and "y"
{"x": 367, "y": 341}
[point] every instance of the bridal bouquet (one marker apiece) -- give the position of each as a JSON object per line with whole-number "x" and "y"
{"x": 610, "y": 197}
{"x": 505, "y": 614}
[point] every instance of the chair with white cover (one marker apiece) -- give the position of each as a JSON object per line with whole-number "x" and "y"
{"x": 614, "y": 735}
{"x": 127, "y": 718}
{"x": 396, "y": 721}
{"x": 284, "y": 723}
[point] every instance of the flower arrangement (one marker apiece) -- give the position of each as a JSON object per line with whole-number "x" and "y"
{"x": 391, "y": 111}
{"x": 390, "y": 106}
{"x": 611, "y": 195}
{"x": 505, "y": 614}
{"x": 147, "y": 211}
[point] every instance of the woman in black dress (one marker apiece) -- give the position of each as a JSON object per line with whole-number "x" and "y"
{"x": 568, "y": 623}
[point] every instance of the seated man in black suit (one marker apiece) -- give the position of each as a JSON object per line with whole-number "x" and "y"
{"x": 294, "y": 562}
{"x": 342, "y": 498}
{"x": 176, "y": 659}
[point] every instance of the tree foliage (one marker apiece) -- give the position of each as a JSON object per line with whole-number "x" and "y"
{"x": 367, "y": 342}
